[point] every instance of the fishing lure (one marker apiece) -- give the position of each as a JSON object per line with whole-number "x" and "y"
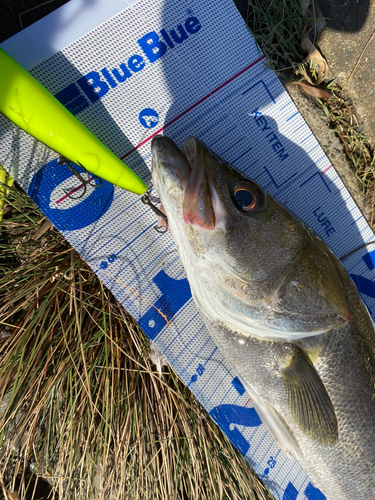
{"x": 30, "y": 106}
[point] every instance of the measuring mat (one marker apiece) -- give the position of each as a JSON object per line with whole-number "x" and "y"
{"x": 184, "y": 68}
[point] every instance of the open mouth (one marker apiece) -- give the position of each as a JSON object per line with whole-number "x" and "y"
{"x": 169, "y": 164}
{"x": 197, "y": 205}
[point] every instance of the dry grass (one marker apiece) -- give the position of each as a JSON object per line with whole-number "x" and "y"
{"x": 278, "y": 27}
{"x": 343, "y": 120}
{"x": 82, "y": 406}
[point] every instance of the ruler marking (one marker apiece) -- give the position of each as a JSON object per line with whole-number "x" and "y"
{"x": 241, "y": 155}
{"x": 214, "y": 125}
{"x": 295, "y": 114}
{"x": 193, "y": 106}
{"x": 118, "y": 234}
{"x": 187, "y": 345}
{"x": 143, "y": 270}
{"x": 128, "y": 304}
{"x": 230, "y": 147}
{"x": 296, "y": 130}
{"x": 196, "y": 355}
{"x": 227, "y": 132}
{"x": 285, "y": 105}
{"x": 179, "y": 333}
{"x": 305, "y": 139}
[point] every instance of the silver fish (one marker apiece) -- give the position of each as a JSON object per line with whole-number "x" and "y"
{"x": 283, "y": 312}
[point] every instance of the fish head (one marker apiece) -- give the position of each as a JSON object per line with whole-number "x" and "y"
{"x": 249, "y": 262}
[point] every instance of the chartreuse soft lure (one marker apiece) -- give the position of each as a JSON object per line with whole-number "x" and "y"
{"x": 6, "y": 182}
{"x": 30, "y": 106}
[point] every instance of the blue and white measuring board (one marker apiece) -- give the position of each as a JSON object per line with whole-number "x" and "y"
{"x": 182, "y": 69}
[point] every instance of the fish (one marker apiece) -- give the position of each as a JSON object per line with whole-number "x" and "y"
{"x": 281, "y": 309}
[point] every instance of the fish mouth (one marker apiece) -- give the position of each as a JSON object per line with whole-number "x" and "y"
{"x": 198, "y": 200}
{"x": 187, "y": 170}
{"x": 169, "y": 165}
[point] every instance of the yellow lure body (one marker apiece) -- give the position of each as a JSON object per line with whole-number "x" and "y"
{"x": 30, "y": 106}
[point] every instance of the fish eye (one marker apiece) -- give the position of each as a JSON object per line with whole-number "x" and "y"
{"x": 247, "y": 196}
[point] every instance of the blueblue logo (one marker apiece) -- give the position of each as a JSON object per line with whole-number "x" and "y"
{"x": 148, "y": 118}
{"x": 61, "y": 196}
{"x": 96, "y": 84}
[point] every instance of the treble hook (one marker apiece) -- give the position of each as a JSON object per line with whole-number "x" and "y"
{"x": 85, "y": 182}
{"x": 146, "y": 199}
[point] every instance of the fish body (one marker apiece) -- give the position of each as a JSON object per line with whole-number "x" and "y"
{"x": 283, "y": 312}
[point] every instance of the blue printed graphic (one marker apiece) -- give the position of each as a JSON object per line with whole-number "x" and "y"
{"x": 313, "y": 493}
{"x": 271, "y": 462}
{"x": 369, "y": 259}
{"x": 175, "y": 293}
{"x": 95, "y": 88}
{"x": 200, "y": 370}
{"x": 84, "y": 211}
{"x": 111, "y": 258}
{"x": 148, "y": 118}
{"x": 72, "y": 99}
{"x": 290, "y": 492}
{"x": 364, "y": 285}
{"x": 227, "y": 415}
{"x": 238, "y": 386}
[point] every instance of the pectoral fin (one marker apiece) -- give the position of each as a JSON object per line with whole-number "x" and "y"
{"x": 309, "y": 402}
